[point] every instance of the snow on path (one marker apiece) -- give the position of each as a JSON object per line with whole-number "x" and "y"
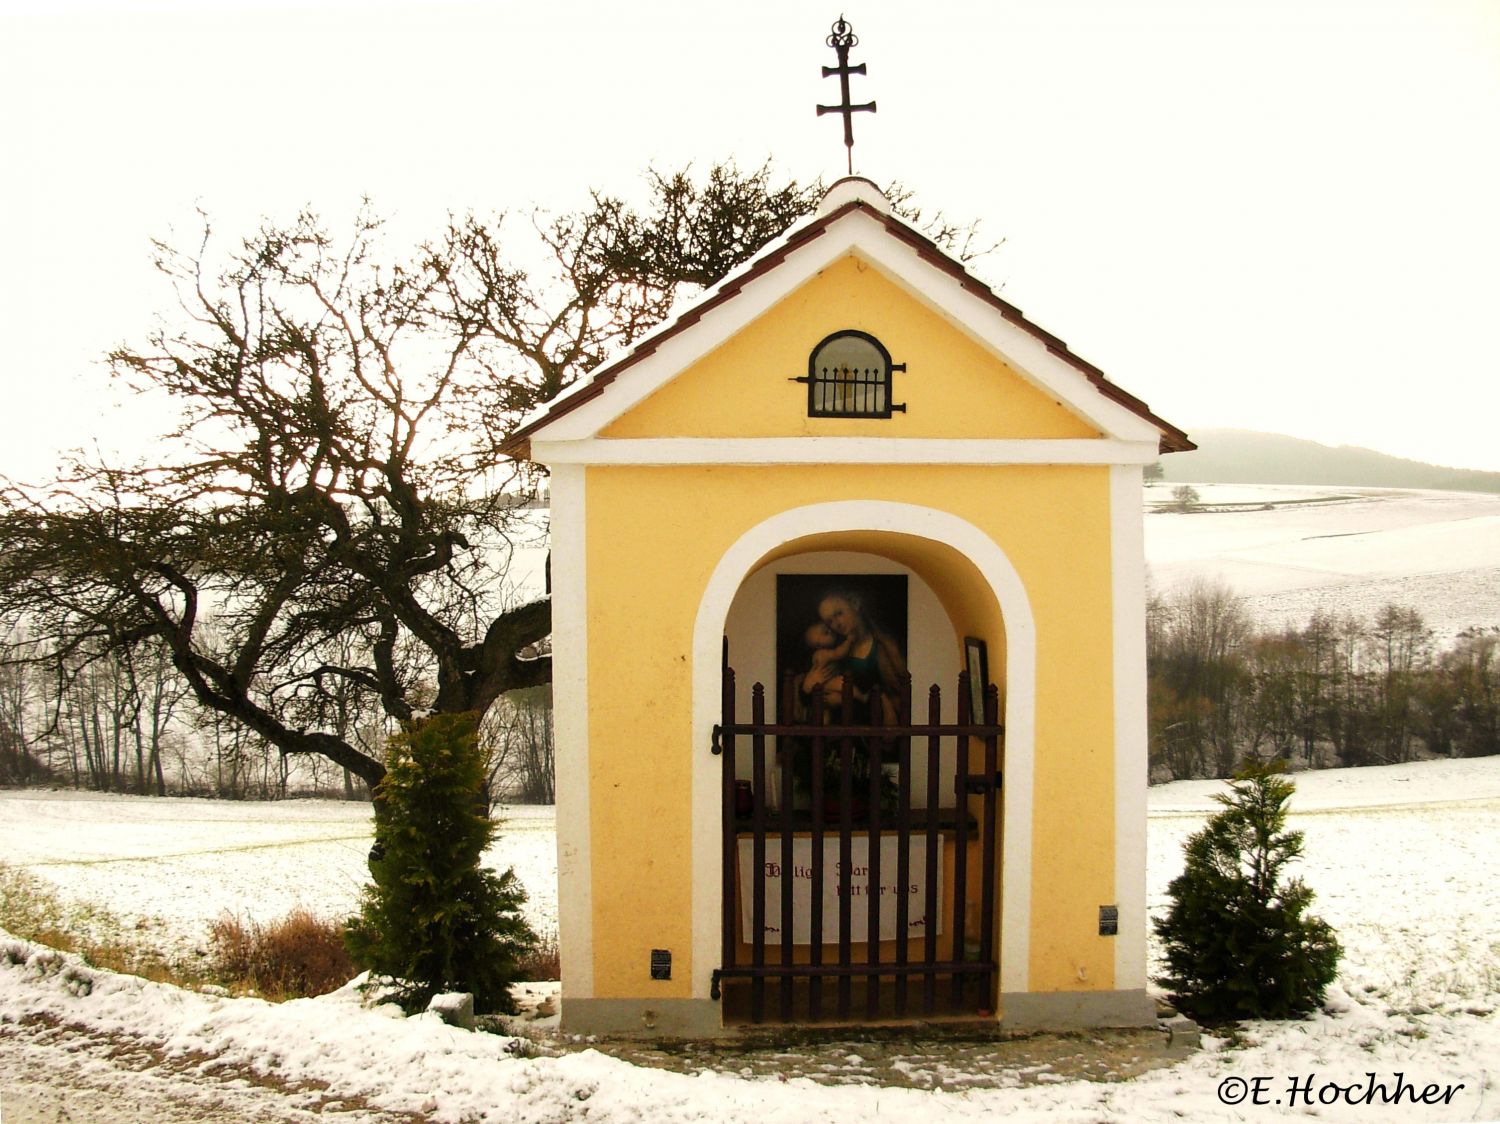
{"x": 343, "y": 1050}
{"x": 50, "y": 1074}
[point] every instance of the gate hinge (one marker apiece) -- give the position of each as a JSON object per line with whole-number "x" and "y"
{"x": 718, "y": 745}
{"x": 713, "y": 986}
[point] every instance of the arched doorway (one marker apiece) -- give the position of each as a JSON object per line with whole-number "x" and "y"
{"x": 960, "y": 584}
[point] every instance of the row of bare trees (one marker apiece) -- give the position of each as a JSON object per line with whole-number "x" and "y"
{"x": 106, "y": 724}
{"x": 1341, "y": 690}
{"x": 127, "y": 722}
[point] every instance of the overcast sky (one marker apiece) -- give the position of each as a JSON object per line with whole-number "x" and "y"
{"x": 1278, "y": 214}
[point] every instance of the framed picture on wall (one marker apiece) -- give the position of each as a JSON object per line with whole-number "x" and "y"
{"x": 977, "y": 664}
{"x": 838, "y": 633}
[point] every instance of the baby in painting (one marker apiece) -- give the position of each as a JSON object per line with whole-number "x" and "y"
{"x": 829, "y": 651}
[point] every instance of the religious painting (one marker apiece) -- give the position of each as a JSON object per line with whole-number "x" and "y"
{"x": 977, "y": 664}
{"x": 838, "y": 635}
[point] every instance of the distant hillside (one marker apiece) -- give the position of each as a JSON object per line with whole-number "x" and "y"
{"x": 1240, "y": 456}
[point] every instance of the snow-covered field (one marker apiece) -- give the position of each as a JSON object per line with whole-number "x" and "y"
{"x": 167, "y": 867}
{"x": 1404, "y": 860}
{"x": 1289, "y": 549}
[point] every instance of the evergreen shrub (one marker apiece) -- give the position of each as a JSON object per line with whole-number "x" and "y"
{"x": 434, "y": 919}
{"x": 1238, "y": 943}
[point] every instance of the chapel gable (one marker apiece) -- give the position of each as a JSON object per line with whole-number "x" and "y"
{"x": 850, "y": 352}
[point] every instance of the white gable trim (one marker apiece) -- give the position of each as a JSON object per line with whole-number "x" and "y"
{"x": 1021, "y": 350}
{"x": 842, "y": 450}
{"x": 854, "y": 233}
{"x": 1019, "y": 717}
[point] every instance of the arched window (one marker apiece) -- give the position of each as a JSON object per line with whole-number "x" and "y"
{"x": 849, "y": 376}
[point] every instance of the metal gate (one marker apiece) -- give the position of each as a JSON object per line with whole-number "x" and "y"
{"x": 833, "y": 785}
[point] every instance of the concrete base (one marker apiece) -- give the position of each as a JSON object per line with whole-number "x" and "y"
{"x": 1069, "y": 1010}
{"x": 704, "y": 1018}
{"x": 643, "y": 1018}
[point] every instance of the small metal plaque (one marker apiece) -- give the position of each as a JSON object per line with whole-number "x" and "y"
{"x": 1109, "y": 920}
{"x": 661, "y": 964}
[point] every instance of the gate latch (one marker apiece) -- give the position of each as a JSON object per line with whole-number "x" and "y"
{"x": 978, "y": 784}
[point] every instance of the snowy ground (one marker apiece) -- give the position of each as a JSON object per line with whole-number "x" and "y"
{"x": 1290, "y": 549}
{"x": 166, "y": 867}
{"x": 1403, "y": 858}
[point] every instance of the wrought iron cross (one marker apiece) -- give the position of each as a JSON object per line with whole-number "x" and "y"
{"x": 841, "y": 38}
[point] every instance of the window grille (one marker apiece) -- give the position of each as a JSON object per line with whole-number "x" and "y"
{"x": 849, "y": 376}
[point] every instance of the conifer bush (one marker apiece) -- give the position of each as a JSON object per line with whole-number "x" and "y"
{"x": 434, "y": 919}
{"x": 1238, "y": 943}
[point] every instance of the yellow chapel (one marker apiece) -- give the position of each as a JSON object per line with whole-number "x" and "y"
{"x": 849, "y": 655}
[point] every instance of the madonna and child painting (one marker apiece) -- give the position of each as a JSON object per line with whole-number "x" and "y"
{"x": 842, "y": 635}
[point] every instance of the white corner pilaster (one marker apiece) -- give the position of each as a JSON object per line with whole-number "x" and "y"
{"x": 1128, "y": 567}
{"x": 570, "y": 717}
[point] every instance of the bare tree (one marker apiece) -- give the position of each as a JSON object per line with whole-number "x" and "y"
{"x": 333, "y": 513}
{"x": 1401, "y": 643}
{"x": 1185, "y": 498}
{"x": 1195, "y": 642}
{"x": 517, "y": 740}
{"x": 19, "y": 761}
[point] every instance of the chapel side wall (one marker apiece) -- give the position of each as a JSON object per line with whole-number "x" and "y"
{"x": 654, "y": 536}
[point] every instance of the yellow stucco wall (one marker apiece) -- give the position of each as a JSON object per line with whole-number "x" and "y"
{"x": 654, "y": 536}
{"x": 952, "y": 387}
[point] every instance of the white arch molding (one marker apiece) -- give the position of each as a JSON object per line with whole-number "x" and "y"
{"x": 1019, "y": 717}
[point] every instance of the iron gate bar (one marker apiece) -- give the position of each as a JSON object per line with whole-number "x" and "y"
{"x": 846, "y": 847}
{"x": 872, "y": 855}
{"x": 802, "y": 821}
{"x": 731, "y": 847}
{"x": 758, "y": 854}
{"x": 788, "y": 921}
{"x": 799, "y": 971}
{"x": 805, "y": 730}
{"x": 960, "y": 835}
{"x": 934, "y": 768}
{"x": 815, "y": 994}
{"x": 987, "y": 847}
{"x": 903, "y": 841}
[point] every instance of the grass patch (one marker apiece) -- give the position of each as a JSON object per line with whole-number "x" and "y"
{"x": 542, "y": 962}
{"x": 298, "y": 955}
{"x": 31, "y": 910}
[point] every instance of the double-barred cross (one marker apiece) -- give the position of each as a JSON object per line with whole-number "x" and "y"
{"x": 841, "y": 38}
